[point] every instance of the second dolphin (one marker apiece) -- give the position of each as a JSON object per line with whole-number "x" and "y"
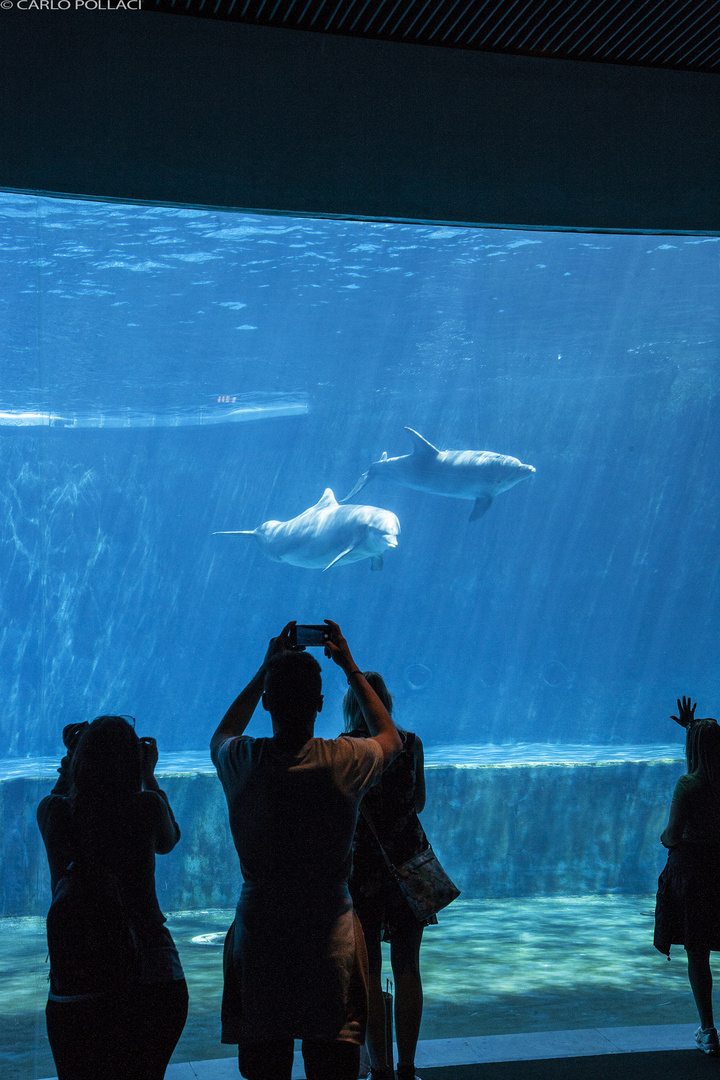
{"x": 461, "y": 474}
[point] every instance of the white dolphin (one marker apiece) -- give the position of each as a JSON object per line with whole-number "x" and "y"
{"x": 327, "y": 534}
{"x": 461, "y": 474}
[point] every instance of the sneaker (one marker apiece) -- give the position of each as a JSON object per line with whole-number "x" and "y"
{"x": 707, "y": 1040}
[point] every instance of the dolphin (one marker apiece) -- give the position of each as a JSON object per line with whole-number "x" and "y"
{"x": 327, "y": 534}
{"x": 461, "y": 474}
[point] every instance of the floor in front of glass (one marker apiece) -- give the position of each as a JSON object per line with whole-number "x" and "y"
{"x": 490, "y": 967}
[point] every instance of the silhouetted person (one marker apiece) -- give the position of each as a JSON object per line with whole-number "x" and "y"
{"x": 687, "y": 911}
{"x": 392, "y": 806}
{"x": 118, "y": 998}
{"x": 296, "y": 965}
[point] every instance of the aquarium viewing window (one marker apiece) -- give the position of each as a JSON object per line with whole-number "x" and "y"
{"x": 173, "y": 378}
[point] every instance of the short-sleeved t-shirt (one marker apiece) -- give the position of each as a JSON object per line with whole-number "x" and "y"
{"x": 293, "y": 816}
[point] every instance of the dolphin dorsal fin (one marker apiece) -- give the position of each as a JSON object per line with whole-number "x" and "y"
{"x": 420, "y": 445}
{"x": 327, "y": 499}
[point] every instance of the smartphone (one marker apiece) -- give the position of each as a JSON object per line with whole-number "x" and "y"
{"x": 308, "y": 635}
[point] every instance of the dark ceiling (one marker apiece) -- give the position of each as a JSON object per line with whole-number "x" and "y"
{"x": 682, "y": 35}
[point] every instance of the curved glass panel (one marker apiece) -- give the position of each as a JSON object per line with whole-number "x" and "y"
{"x": 174, "y": 378}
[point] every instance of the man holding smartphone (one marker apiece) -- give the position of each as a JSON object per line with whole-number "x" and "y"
{"x": 295, "y": 961}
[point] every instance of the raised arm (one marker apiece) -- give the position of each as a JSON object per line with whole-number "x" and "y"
{"x": 240, "y": 713}
{"x": 419, "y": 766}
{"x": 377, "y": 718}
{"x": 165, "y": 827}
{"x": 71, "y": 737}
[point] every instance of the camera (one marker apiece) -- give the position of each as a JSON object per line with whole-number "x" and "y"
{"x": 308, "y": 635}
{"x": 71, "y": 735}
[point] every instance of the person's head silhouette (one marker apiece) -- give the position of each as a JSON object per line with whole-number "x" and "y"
{"x": 107, "y": 761}
{"x": 293, "y": 689}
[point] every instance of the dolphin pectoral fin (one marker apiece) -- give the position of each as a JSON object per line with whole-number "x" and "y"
{"x": 376, "y": 563}
{"x": 420, "y": 445}
{"x": 339, "y": 557}
{"x": 358, "y": 487}
{"x": 482, "y": 505}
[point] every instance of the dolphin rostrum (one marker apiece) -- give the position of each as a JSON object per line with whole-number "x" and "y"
{"x": 461, "y": 474}
{"x": 327, "y": 534}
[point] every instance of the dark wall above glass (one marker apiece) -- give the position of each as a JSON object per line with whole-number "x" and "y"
{"x": 139, "y": 106}
{"x": 673, "y": 34}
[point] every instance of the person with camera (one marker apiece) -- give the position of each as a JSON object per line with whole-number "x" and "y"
{"x": 295, "y": 960}
{"x": 118, "y": 998}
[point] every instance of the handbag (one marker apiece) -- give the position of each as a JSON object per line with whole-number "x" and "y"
{"x": 422, "y": 880}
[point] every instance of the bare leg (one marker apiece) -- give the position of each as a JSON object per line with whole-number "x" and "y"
{"x": 700, "y": 978}
{"x": 405, "y": 959}
{"x": 380, "y": 1055}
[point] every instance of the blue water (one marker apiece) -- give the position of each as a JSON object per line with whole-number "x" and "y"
{"x": 574, "y": 612}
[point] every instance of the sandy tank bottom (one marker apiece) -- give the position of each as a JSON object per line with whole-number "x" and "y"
{"x": 489, "y": 967}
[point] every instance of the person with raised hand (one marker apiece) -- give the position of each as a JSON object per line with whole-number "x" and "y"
{"x": 687, "y": 910}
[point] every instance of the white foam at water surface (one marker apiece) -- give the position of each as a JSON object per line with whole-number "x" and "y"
{"x": 465, "y": 757}
{"x": 491, "y": 754}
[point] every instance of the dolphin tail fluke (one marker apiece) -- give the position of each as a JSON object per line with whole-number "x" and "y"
{"x": 339, "y": 557}
{"x": 482, "y": 505}
{"x": 358, "y": 487}
{"x": 235, "y": 532}
{"x": 376, "y": 563}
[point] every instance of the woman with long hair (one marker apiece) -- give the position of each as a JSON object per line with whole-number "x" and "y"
{"x": 687, "y": 911}
{"x": 118, "y": 998}
{"x": 389, "y": 819}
